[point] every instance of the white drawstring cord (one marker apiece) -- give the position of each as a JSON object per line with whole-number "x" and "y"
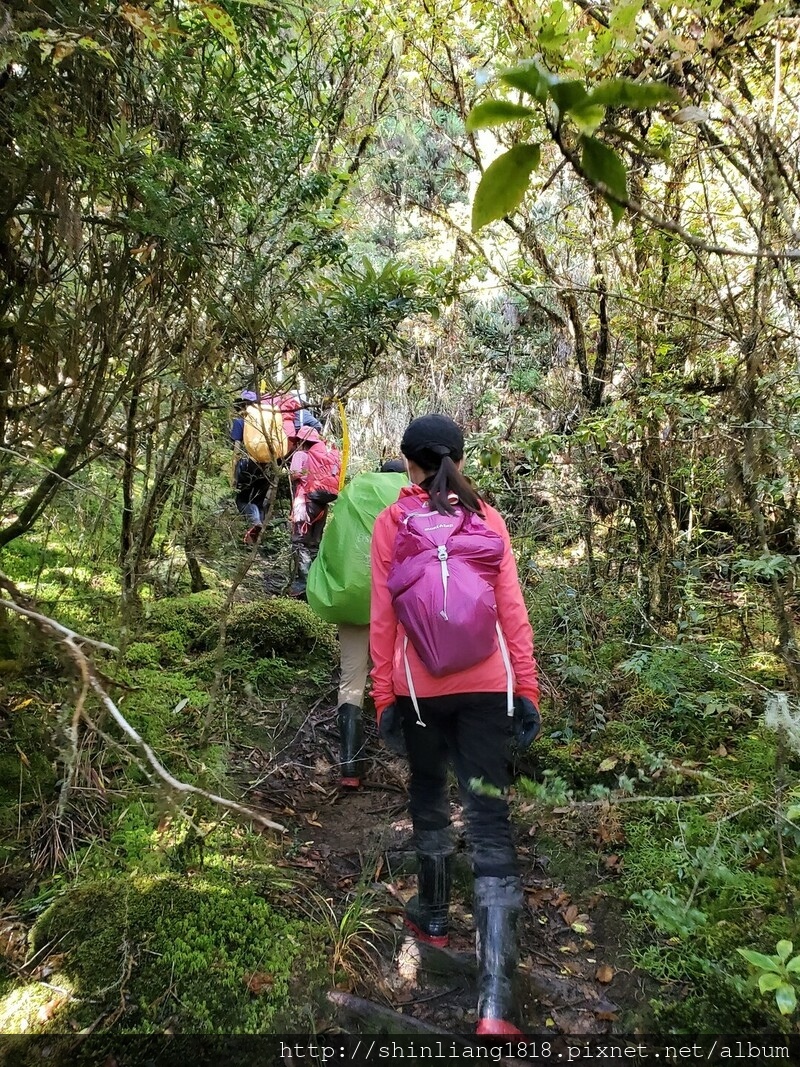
{"x": 412, "y": 692}
{"x": 445, "y": 575}
{"x": 509, "y": 674}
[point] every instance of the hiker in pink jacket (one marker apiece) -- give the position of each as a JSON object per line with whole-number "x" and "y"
{"x": 454, "y": 680}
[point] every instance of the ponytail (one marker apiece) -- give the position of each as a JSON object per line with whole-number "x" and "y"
{"x": 449, "y": 480}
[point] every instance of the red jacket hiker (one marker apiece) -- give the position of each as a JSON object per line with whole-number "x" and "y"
{"x": 465, "y": 717}
{"x": 387, "y": 635}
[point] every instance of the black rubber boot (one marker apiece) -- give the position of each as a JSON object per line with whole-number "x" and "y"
{"x": 427, "y": 914}
{"x": 498, "y": 902}
{"x": 351, "y": 745}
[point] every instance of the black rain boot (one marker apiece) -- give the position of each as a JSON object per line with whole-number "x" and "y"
{"x": 498, "y": 902}
{"x": 351, "y": 745}
{"x": 427, "y": 913}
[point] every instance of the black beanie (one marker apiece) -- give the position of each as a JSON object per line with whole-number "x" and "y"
{"x": 393, "y": 466}
{"x": 428, "y": 439}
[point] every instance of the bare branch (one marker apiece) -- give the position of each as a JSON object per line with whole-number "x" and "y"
{"x": 71, "y": 643}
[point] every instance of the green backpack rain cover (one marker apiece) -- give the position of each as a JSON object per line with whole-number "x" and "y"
{"x": 338, "y": 585}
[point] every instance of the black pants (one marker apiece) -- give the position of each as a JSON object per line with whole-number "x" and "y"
{"x": 306, "y": 536}
{"x": 471, "y": 731}
{"x": 252, "y": 488}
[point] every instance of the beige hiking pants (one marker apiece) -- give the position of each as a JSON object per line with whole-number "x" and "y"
{"x": 354, "y": 656}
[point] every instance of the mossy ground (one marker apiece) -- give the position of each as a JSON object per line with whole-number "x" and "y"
{"x": 654, "y": 764}
{"x": 155, "y": 918}
{"x": 203, "y": 951}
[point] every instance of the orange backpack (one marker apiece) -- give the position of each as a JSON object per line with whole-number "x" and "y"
{"x": 265, "y": 435}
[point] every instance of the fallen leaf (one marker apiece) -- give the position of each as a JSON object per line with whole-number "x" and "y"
{"x": 258, "y": 982}
{"x": 604, "y": 973}
{"x": 608, "y": 764}
{"x": 606, "y": 1016}
{"x": 48, "y": 1010}
{"x": 570, "y": 914}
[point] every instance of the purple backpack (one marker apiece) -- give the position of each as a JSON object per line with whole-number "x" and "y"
{"x": 442, "y": 580}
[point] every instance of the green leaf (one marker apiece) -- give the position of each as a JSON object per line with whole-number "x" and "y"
{"x": 221, "y": 21}
{"x": 567, "y": 94}
{"x": 496, "y": 112}
{"x": 503, "y": 184}
{"x": 786, "y": 999}
{"x": 670, "y": 914}
{"x": 623, "y": 18}
{"x": 784, "y": 949}
{"x": 793, "y": 814}
{"x": 603, "y": 166}
{"x": 769, "y": 981}
{"x": 622, "y": 92}
{"x": 758, "y": 959}
{"x": 647, "y": 149}
{"x": 530, "y": 77}
{"x": 793, "y": 966}
{"x": 764, "y": 14}
{"x": 587, "y": 116}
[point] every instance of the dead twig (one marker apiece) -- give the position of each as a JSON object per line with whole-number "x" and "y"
{"x": 71, "y": 642}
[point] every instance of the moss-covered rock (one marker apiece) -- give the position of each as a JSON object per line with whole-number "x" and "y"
{"x": 189, "y": 616}
{"x": 171, "y": 647}
{"x": 206, "y": 952}
{"x": 162, "y": 701}
{"x": 280, "y": 627}
{"x": 142, "y": 654}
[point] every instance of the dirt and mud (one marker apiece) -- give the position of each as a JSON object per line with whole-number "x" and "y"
{"x": 356, "y": 846}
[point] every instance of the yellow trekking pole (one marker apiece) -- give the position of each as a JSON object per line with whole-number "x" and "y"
{"x": 345, "y": 444}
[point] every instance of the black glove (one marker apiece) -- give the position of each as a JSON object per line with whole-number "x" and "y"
{"x": 390, "y": 730}
{"x": 527, "y": 722}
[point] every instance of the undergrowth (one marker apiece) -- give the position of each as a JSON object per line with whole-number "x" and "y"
{"x": 145, "y": 916}
{"x": 654, "y": 748}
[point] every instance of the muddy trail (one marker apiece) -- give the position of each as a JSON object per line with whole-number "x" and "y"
{"x": 353, "y": 848}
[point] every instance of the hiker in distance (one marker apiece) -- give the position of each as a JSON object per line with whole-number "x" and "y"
{"x": 264, "y": 432}
{"x": 338, "y": 591}
{"x": 454, "y": 678}
{"x": 314, "y": 471}
{"x": 251, "y": 478}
